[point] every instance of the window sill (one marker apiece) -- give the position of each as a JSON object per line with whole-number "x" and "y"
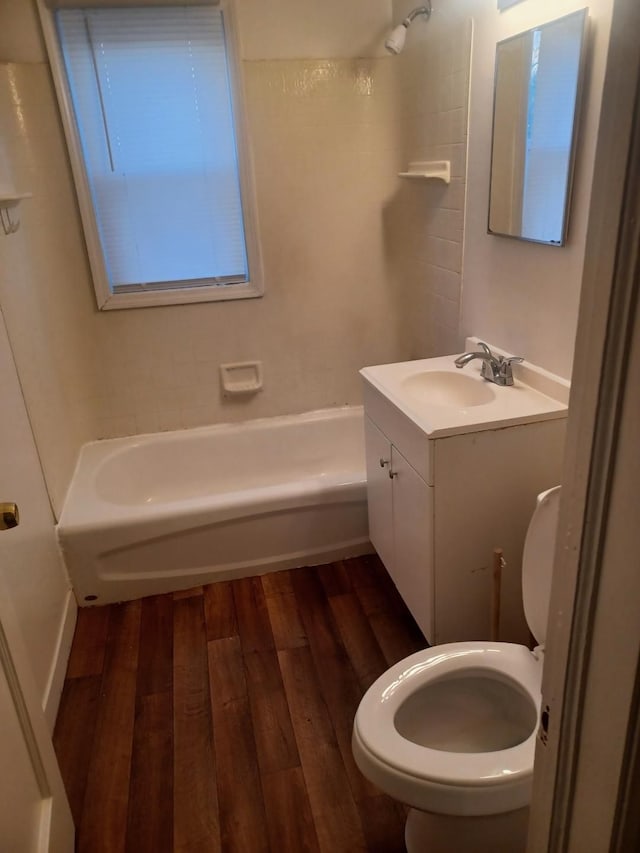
{"x": 181, "y": 296}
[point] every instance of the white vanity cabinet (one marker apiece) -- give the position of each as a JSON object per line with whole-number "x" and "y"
{"x": 401, "y": 523}
{"x": 449, "y": 502}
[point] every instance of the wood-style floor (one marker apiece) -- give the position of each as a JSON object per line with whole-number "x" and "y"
{"x": 220, "y": 719}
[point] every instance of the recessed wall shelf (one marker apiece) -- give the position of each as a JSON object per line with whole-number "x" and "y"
{"x": 240, "y": 378}
{"x": 425, "y": 170}
{"x": 9, "y": 200}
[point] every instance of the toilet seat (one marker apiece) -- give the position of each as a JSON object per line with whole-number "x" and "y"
{"x": 437, "y": 780}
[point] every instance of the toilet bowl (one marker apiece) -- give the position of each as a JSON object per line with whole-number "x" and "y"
{"x": 451, "y": 730}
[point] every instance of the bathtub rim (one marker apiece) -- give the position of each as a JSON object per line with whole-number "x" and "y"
{"x": 85, "y": 510}
{"x": 221, "y": 507}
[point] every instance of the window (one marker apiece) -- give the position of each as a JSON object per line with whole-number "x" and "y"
{"x": 152, "y": 121}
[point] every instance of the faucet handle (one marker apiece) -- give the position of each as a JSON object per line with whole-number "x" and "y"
{"x": 505, "y": 368}
{"x": 485, "y": 348}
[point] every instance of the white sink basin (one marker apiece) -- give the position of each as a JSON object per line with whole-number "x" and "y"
{"x": 444, "y": 400}
{"x": 443, "y": 388}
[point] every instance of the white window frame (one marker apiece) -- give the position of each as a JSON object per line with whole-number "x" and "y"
{"x": 106, "y": 298}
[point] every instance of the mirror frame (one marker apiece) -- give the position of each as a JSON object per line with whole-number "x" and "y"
{"x": 584, "y": 12}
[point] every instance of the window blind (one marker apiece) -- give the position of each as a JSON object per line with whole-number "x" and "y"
{"x": 151, "y": 93}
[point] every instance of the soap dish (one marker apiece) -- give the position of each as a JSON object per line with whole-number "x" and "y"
{"x": 241, "y": 377}
{"x": 426, "y": 170}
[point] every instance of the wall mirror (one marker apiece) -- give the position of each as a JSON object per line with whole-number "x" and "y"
{"x": 537, "y": 83}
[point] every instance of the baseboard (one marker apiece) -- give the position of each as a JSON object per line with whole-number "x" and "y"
{"x": 55, "y": 683}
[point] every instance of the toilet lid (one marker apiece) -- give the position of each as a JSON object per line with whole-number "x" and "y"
{"x": 537, "y": 562}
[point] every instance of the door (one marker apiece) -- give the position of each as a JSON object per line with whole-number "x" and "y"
{"x": 379, "y": 493}
{"x": 413, "y": 531}
{"x": 586, "y": 785}
{"x": 34, "y": 813}
{"x": 401, "y": 524}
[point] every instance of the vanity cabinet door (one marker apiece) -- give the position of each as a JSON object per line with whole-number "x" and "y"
{"x": 379, "y": 492}
{"x": 412, "y": 572}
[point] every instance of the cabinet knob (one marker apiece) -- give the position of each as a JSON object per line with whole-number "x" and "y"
{"x": 9, "y": 516}
{"x": 392, "y": 474}
{"x": 384, "y": 462}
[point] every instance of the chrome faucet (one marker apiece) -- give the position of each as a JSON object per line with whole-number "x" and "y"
{"x": 495, "y": 368}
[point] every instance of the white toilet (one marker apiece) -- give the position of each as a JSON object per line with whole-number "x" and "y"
{"x": 451, "y": 730}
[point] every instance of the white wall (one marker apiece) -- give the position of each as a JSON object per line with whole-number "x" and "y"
{"x": 307, "y": 29}
{"x": 522, "y": 296}
{"x": 20, "y": 37}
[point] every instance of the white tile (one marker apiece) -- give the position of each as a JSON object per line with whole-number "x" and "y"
{"x": 442, "y": 282}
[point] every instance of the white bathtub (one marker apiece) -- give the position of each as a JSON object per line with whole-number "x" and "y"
{"x": 168, "y": 511}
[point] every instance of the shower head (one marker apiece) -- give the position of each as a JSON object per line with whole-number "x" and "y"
{"x": 395, "y": 42}
{"x": 396, "y": 39}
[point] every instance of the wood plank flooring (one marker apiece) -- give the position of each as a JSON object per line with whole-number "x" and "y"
{"x": 219, "y": 719}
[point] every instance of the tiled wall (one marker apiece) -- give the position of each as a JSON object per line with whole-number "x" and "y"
{"x": 44, "y": 288}
{"x": 324, "y": 151}
{"x": 521, "y": 296}
{"x": 325, "y": 144}
{"x": 429, "y": 216}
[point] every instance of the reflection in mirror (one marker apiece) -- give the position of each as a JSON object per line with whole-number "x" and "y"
{"x": 534, "y": 125}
